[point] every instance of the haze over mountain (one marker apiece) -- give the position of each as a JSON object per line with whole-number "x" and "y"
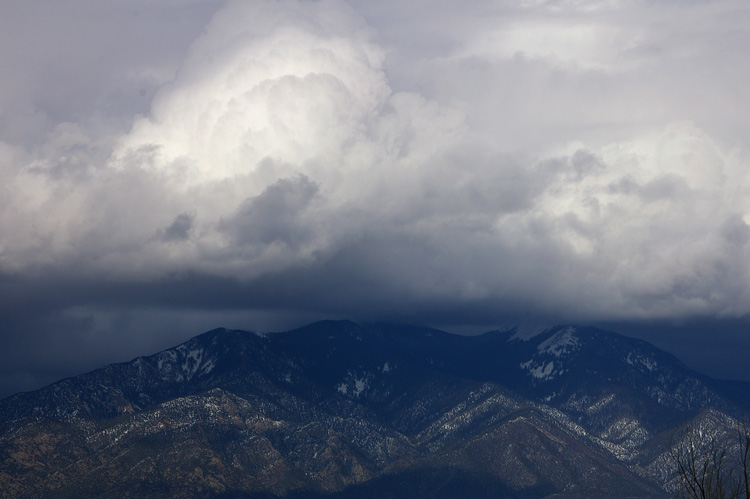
{"x": 169, "y": 166}
{"x": 337, "y": 409}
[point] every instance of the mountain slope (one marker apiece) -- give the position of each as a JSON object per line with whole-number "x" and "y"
{"x": 376, "y": 409}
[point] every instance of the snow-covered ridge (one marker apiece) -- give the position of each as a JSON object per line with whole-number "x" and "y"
{"x": 183, "y": 362}
{"x": 525, "y": 333}
{"x": 557, "y": 346}
{"x": 561, "y": 343}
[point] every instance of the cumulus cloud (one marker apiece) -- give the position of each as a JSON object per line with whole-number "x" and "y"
{"x": 290, "y": 82}
{"x": 561, "y": 161}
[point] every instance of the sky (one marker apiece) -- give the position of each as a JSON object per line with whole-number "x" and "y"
{"x": 170, "y": 167}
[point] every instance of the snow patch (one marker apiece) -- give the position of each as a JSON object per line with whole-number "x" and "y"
{"x": 181, "y": 363}
{"x": 354, "y": 384}
{"x": 165, "y": 363}
{"x": 541, "y": 371}
{"x": 561, "y": 343}
{"x": 192, "y": 361}
{"x": 525, "y": 333}
{"x": 641, "y": 361}
{"x": 208, "y": 366}
{"x": 545, "y": 372}
{"x": 359, "y": 386}
{"x": 600, "y": 404}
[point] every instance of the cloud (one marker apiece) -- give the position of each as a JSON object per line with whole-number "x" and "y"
{"x": 556, "y": 161}
{"x": 179, "y": 230}
{"x": 87, "y": 62}
{"x": 280, "y": 143}
{"x": 288, "y": 81}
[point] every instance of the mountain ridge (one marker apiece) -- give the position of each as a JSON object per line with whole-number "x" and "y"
{"x": 336, "y": 407}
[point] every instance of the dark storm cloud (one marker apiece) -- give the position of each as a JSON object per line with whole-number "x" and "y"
{"x": 253, "y": 164}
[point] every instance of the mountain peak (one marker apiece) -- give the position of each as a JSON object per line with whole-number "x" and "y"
{"x": 525, "y": 333}
{"x": 337, "y": 407}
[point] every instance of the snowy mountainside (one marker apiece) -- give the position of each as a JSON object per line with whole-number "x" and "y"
{"x": 339, "y": 409}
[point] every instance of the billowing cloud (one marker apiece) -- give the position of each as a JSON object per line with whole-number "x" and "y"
{"x": 278, "y": 160}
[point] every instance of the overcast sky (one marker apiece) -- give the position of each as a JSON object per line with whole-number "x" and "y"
{"x": 169, "y": 167}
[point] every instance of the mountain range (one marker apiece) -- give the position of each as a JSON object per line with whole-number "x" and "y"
{"x": 338, "y": 410}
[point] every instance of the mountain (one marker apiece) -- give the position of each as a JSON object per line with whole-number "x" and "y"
{"x": 338, "y": 410}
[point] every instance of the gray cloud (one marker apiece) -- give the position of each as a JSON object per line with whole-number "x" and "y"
{"x": 274, "y": 216}
{"x": 179, "y": 230}
{"x": 278, "y": 161}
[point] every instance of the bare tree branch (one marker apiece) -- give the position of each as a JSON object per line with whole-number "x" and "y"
{"x": 709, "y": 467}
